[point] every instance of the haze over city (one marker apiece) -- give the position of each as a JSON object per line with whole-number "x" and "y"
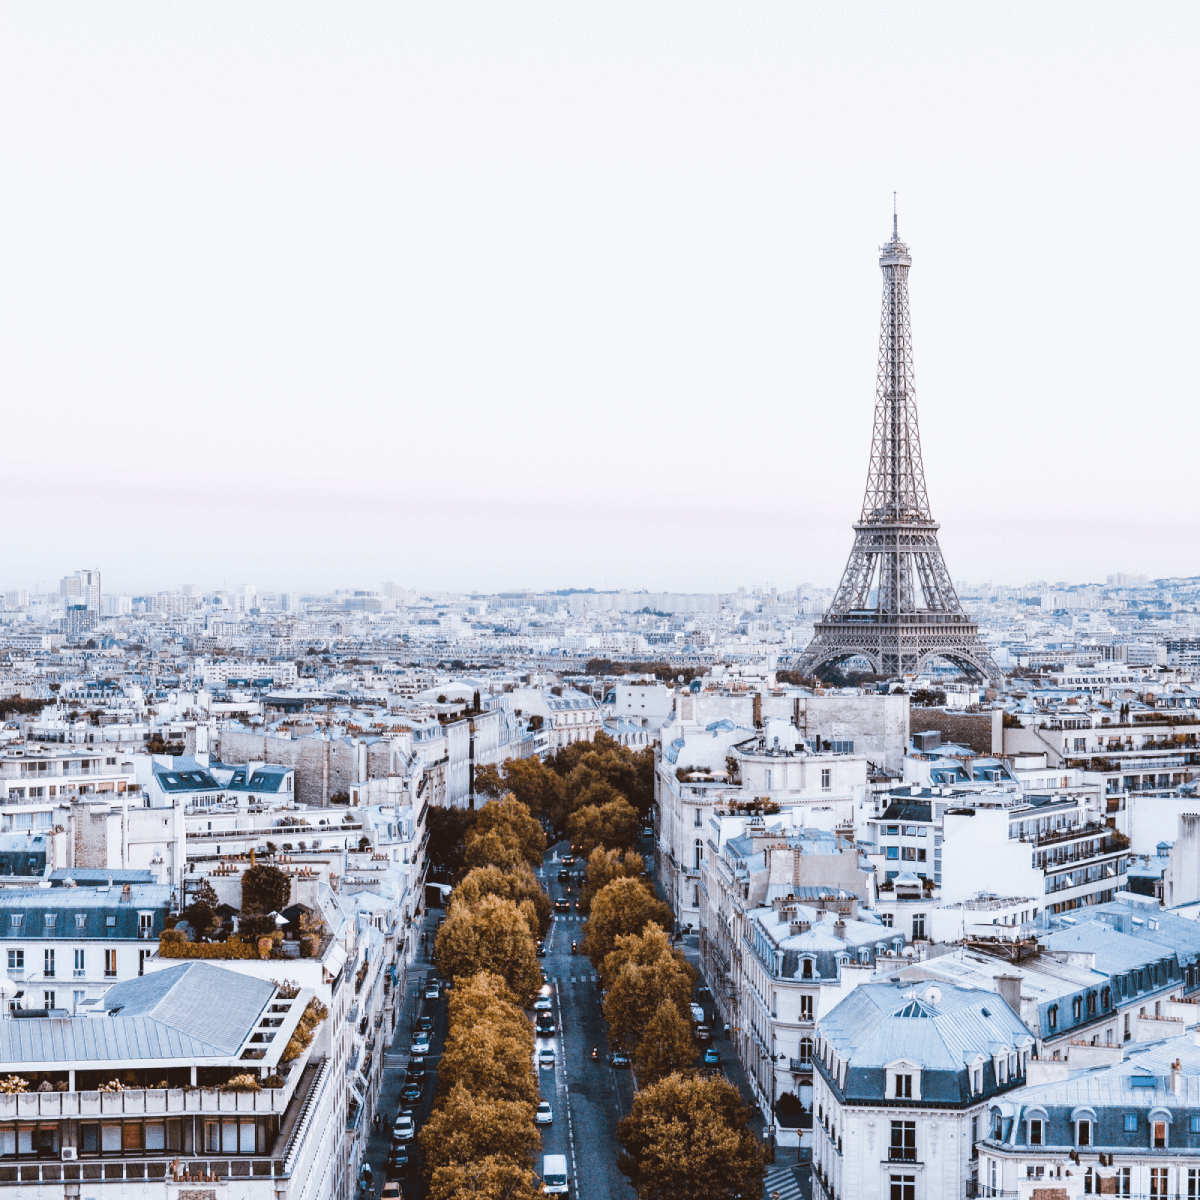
{"x": 586, "y": 295}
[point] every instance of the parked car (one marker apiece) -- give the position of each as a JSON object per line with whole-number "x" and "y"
{"x": 544, "y": 1114}
{"x": 420, "y": 1043}
{"x": 712, "y": 1056}
{"x": 391, "y": 1190}
{"x": 425, "y": 1024}
{"x": 546, "y": 1059}
{"x": 410, "y": 1093}
{"x": 703, "y": 1034}
{"x": 433, "y": 989}
{"x": 398, "y": 1160}
{"x": 404, "y": 1130}
{"x": 619, "y": 1058}
{"x": 416, "y": 1069}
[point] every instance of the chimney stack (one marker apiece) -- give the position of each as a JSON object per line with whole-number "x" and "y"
{"x": 1009, "y": 988}
{"x": 1176, "y": 1076}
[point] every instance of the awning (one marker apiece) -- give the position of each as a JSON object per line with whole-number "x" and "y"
{"x": 335, "y": 960}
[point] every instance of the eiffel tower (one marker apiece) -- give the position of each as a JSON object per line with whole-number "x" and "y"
{"x": 877, "y": 613}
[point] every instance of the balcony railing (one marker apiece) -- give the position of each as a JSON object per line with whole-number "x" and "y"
{"x": 141, "y": 1169}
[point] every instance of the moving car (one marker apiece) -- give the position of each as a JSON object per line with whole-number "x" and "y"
{"x": 543, "y": 1004}
{"x": 541, "y": 949}
{"x": 568, "y": 860}
{"x": 544, "y": 1114}
{"x": 545, "y": 1024}
{"x": 563, "y": 875}
{"x": 420, "y": 1043}
{"x": 562, "y": 905}
{"x": 619, "y": 1058}
{"x": 546, "y": 1060}
{"x": 410, "y": 1093}
{"x": 404, "y": 1130}
{"x": 554, "y": 1175}
{"x": 712, "y": 1056}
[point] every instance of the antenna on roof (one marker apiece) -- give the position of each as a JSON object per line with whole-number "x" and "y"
{"x": 895, "y": 232}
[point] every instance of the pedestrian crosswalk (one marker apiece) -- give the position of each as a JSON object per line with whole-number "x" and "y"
{"x": 572, "y": 978}
{"x": 780, "y": 1182}
{"x": 568, "y": 917}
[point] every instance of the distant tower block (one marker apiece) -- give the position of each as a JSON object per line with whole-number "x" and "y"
{"x": 896, "y": 606}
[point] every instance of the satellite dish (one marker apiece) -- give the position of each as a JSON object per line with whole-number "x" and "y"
{"x": 933, "y": 995}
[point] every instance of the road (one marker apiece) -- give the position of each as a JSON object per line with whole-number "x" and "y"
{"x": 588, "y": 1098}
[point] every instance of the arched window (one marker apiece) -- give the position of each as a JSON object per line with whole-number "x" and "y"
{"x": 806, "y": 971}
{"x": 1091, "y": 1004}
{"x": 806, "y": 1051}
{"x": 1052, "y": 1016}
{"x": 1076, "y": 1008}
{"x": 699, "y": 853}
{"x": 1105, "y": 998}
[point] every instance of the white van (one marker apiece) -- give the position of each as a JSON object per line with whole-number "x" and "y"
{"x": 554, "y": 1175}
{"x": 697, "y": 1014}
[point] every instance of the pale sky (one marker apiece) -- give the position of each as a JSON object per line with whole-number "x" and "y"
{"x": 543, "y": 295}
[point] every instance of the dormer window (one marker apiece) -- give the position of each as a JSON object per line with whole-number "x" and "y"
{"x": 1035, "y": 1132}
{"x": 1052, "y": 1016}
{"x": 903, "y": 1081}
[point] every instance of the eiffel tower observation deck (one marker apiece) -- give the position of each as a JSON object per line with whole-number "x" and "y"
{"x": 896, "y": 606}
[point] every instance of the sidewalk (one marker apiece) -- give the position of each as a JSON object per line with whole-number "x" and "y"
{"x": 396, "y": 1052}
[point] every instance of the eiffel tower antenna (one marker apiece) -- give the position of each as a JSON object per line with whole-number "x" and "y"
{"x": 896, "y": 606}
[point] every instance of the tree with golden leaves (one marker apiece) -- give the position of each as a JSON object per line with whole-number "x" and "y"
{"x": 650, "y": 975}
{"x": 603, "y": 866}
{"x": 612, "y": 825}
{"x": 687, "y": 1138}
{"x": 493, "y": 935}
{"x": 489, "y": 1178}
{"x": 666, "y": 1045}
{"x": 489, "y": 1044}
{"x": 518, "y": 885}
{"x": 620, "y": 908}
{"x": 466, "y": 1127}
{"x": 512, "y": 821}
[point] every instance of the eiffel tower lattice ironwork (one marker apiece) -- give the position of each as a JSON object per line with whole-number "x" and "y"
{"x": 896, "y": 606}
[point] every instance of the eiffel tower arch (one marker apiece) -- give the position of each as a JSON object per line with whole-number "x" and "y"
{"x": 896, "y": 606}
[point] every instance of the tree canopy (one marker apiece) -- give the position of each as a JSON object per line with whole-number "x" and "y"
{"x": 489, "y": 1044}
{"x": 494, "y": 935}
{"x": 686, "y": 1138}
{"x": 265, "y": 889}
{"x": 620, "y": 908}
{"x": 642, "y": 974}
{"x": 612, "y": 825}
{"x": 665, "y": 1046}
{"x": 517, "y": 884}
{"x": 603, "y": 866}
{"x": 466, "y": 1126}
{"x": 512, "y": 821}
{"x": 490, "y": 1178}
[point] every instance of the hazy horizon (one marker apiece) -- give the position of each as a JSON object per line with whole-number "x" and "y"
{"x": 477, "y": 296}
